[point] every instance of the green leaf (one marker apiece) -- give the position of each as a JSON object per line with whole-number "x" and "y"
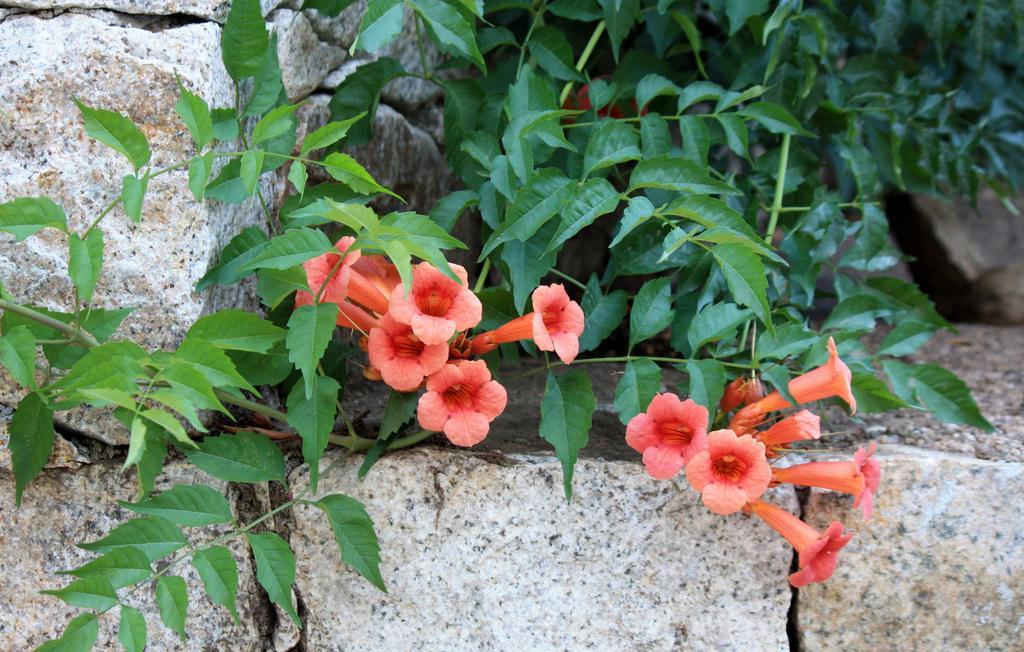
{"x": 219, "y": 572}
{"x": 652, "y": 310}
{"x": 381, "y": 23}
{"x": 85, "y": 262}
{"x": 360, "y": 93}
{"x": 267, "y": 85}
{"x": 168, "y": 422}
{"x": 596, "y": 197}
{"x": 18, "y": 356}
{"x": 693, "y": 38}
{"x": 353, "y": 530}
{"x": 327, "y": 7}
{"x": 939, "y": 390}
{"x": 871, "y": 249}
{"x": 117, "y": 132}
{"x": 79, "y": 636}
{"x": 707, "y": 383}
{"x": 242, "y": 457}
{"x": 195, "y": 113}
{"x": 191, "y": 505}
{"x": 236, "y": 330}
{"x": 652, "y": 86}
{"x": 739, "y": 11}
{"x": 696, "y": 139}
{"x": 788, "y": 340}
{"x": 906, "y": 299}
{"x": 133, "y": 192}
{"x": 172, "y": 599}
{"x": 873, "y": 395}
{"x": 250, "y": 166}
{"x": 655, "y": 139}
{"x": 199, "y": 174}
{"x": 214, "y": 365}
{"x": 399, "y": 409}
{"x": 313, "y": 418}
{"x": 274, "y": 124}
{"x": 453, "y": 34}
{"x": 241, "y": 249}
{"x": 309, "y": 330}
{"x": 345, "y": 169}
{"x": 638, "y": 385}
{"x": 637, "y": 211}
{"x": 678, "y": 174}
{"x": 604, "y": 313}
{"x": 153, "y": 536}
{"x": 27, "y": 215}
{"x": 329, "y": 134}
{"x": 906, "y": 338}
{"x": 715, "y": 322}
{"x": 735, "y": 130}
{"x": 274, "y": 285}
{"x": 244, "y": 40}
{"x": 275, "y": 570}
{"x": 620, "y": 16}
{"x": 131, "y": 631}
{"x": 565, "y": 418}
{"x": 31, "y": 439}
{"x": 225, "y": 124}
{"x": 535, "y": 203}
{"x": 527, "y": 263}
{"x": 449, "y": 208}
{"x": 613, "y": 142}
{"x": 745, "y": 275}
{"x": 87, "y": 593}
{"x": 774, "y": 118}
{"x": 121, "y": 566}
{"x": 553, "y": 53}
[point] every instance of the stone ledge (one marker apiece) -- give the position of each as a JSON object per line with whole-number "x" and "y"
{"x": 483, "y": 552}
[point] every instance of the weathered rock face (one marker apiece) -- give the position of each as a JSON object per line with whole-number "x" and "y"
{"x": 305, "y": 60}
{"x": 64, "y": 507}
{"x": 216, "y": 10}
{"x": 940, "y": 567}
{"x": 484, "y": 553}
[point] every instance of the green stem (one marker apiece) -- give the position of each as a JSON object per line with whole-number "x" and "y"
{"x": 803, "y": 209}
{"x": 74, "y": 335}
{"x": 584, "y": 57}
{"x": 537, "y": 18}
{"x": 482, "y": 276}
{"x": 568, "y": 278}
{"x": 253, "y": 406}
{"x": 780, "y": 185}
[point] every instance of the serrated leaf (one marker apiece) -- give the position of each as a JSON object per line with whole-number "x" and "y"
{"x": 117, "y": 132}
{"x": 535, "y": 203}
{"x": 715, "y": 322}
{"x": 133, "y": 192}
{"x": 353, "y": 530}
{"x": 122, "y": 566}
{"x": 131, "y": 631}
{"x": 274, "y": 124}
{"x": 873, "y": 395}
{"x": 309, "y": 330}
{"x": 31, "y": 439}
{"x": 275, "y": 570}
{"x": 360, "y": 93}
{"x": 452, "y": 33}
{"x": 219, "y": 571}
{"x": 655, "y": 139}
{"x": 906, "y": 338}
{"x": 678, "y": 174}
{"x": 27, "y": 215}
{"x": 613, "y": 142}
{"x": 939, "y": 390}
{"x": 242, "y": 457}
{"x": 448, "y": 209}
{"x": 640, "y": 381}
{"x": 85, "y": 261}
{"x": 553, "y": 53}
{"x": 381, "y": 23}
{"x": 775, "y": 119}
{"x": 399, "y": 409}
{"x": 297, "y": 175}
{"x": 195, "y": 113}
{"x": 172, "y": 599}
{"x": 604, "y": 313}
{"x": 241, "y": 249}
{"x": 244, "y": 41}
{"x": 199, "y": 170}
{"x": 652, "y": 311}
{"x": 236, "y": 330}
{"x": 168, "y": 422}
{"x": 652, "y": 86}
{"x": 79, "y": 636}
{"x": 637, "y": 211}
{"x": 788, "y": 340}
{"x": 250, "y": 166}
{"x": 707, "y": 383}
{"x": 745, "y": 275}
{"x": 527, "y": 263}
{"x": 87, "y": 593}
{"x": 18, "y": 355}
{"x": 735, "y": 130}
{"x": 191, "y": 505}
{"x": 596, "y": 197}
{"x": 566, "y": 412}
{"x": 225, "y": 124}
{"x": 153, "y": 536}
{"x": 313, "y": 418}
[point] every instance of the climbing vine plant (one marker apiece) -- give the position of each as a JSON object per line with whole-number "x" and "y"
{"x": 725, "y": 158}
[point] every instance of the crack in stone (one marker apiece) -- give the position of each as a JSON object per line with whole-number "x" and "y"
{"x": 149, "y": 22}
{"x": 793, "y": 631}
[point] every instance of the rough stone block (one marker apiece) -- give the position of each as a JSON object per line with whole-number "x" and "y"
{"x": 216, "y": 10}
{"x": 483, "y": 552}
{"x": 64, "y": 507}
{"x": 940, "y": 567}
{"x": 305, "y": 60}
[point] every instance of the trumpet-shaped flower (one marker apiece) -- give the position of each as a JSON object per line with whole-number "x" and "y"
{"x": 817, "y": 552}
{"x": 747, "y": 419}
{"x": 437, "y": 306}
{"x": 403, "y": 360}
{"x": 742, "y": 391}
{"x": 555, "y": 324}
{"x": 798, "y": 427}
{"x": 843, "y": 476}
{"x": 668, "y": 434}
{"x": 349, "y": 315}
{"x": 461, "y": 400}
{"x": 731, "y": 472}
{"x": 830, "y": 379}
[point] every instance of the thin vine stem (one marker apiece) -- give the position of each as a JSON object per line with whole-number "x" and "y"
{"x": 584, "y": 57}
{"x": 780, "y": 186}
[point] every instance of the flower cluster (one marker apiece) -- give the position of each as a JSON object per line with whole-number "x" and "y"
{"x": 731, "y": 467}
{"x": 417, "y": 337}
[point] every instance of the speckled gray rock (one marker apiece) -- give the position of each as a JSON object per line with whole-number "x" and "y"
{"x": 483, "y": 552}
{"x": 940, "y": 567}
{"x": 305, "y": 60}
{"x": 62, "y": 508}
{"x": 44, "y": 151}
{"x": 216, "y": 10}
